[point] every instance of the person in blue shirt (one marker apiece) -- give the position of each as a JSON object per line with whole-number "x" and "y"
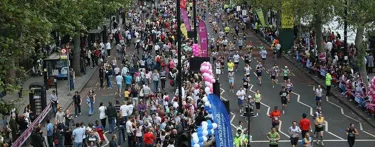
{"x": 49, "y": 133}
{"x": 128, "y": 80}
{"x": 78, "y": 135}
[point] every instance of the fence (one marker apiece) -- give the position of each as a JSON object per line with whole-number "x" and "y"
{"x": 26, "y": 134}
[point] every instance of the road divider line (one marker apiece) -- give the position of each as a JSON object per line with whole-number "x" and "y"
{"x": 268, "y": 111}
{"x": 342, "y": 112}
{"x": 234, "y": 115}
{"x": 312, "y": 114}
{"x": 325, "y": 140}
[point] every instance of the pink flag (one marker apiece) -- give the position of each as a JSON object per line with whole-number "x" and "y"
{"x": 203, "y": 40}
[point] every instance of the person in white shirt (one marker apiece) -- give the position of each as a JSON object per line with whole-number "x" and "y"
{"x": 130, "y": 108}
{"x": 130, "y": 130}
{"x": 108, "y": 48}
{"x": 102, "y": 115}
{"x": 318, "y": 96}
{"x": 241, "y": 96}
{"x": 124, "y": 109}
{"x": 294, "y": 132}
{"x": 236, "y": 60}
{"x": 119, "y": 80}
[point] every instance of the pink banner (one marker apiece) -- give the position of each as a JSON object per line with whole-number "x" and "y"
{"x": 185, "y": 18}
{"x": 203, "y": 40}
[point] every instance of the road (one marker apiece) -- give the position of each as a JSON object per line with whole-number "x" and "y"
{"x": 337, "y": 117}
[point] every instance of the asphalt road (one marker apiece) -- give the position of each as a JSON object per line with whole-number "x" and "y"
{"x": 337, "y": 117}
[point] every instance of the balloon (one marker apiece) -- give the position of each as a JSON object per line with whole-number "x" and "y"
{"x": 205, "y": 127}
{"x": 207, "y": 90}
{"x": 214, "y": 125}
{"x": 204, "y": 123}
{"x": 205, "y": 99}
{"x": 205, "y": 132}
{"x": 210, "y": 132}
{"x": 205, "y": 74}
{"x": 200, "y": 134}
{"x": 213, "y": 80}
{"x": 207, "y": 103}
{"x": 195, "y": 139}
{"x": 209, "y": 127}
{"x": 199, "y": 130}
{"x": 204, "y": 138}
{"x": 209, "y": 121}
{"x": 207, "y": 79}
{"x": 209, "y": 115}
{"x": 209, "y": 85}
{"x": 197, "y": 145}
{"x": 211, "y": 90}
{"x": 194, "y": 135}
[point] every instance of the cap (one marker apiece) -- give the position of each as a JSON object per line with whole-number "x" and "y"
{"x": 286, "y": 66}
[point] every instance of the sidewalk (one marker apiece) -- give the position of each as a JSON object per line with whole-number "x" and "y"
{"x": 62, "y": 90}
{"x": 335, "y": 92}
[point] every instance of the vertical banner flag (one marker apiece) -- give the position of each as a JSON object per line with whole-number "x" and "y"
{"x": 261, "y": 17}
{"x": 223, "y": 132}
{"x": 287, "y": 18}
{"x": 203, "y": 40}
{"x": 185, "y": 18}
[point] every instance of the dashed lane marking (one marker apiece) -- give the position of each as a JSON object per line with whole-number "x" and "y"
{"x": 268, "y": 112}
{"x": 342, "y": 112}
{"x": 312, "y": 114}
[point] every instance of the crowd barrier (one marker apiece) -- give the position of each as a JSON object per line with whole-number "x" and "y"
{"x": 26, "y": 134}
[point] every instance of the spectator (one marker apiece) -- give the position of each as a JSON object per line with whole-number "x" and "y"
{"x": 149, "y": 138}
{"x": 111, "y": 113}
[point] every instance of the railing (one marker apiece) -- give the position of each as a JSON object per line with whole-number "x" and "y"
{"x": 26, "y": 134}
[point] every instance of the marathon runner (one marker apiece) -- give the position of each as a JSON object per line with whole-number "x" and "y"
{"x": 231, "y": 81}
{"x": 257, "y": 99}
{"x": 294, "y": 132}
{"x": 307, "y": 140}
{"x": 274, "y": 73}
{"x": 241, "y": 97}
{"x": 259, "y": 68}
{"x": 318, "y": 96}
{"x": 246, "y": 82}
{"x": 289, "y": 86}
{"x": 236, "y": 59}
{"x": 273, "y": 137}
{"x": 275, "y": 116}
{"x": 247, "y": 70}
{"x": 218, "y": 69}
{"x": 284, "y": 100}
{"x": 351, "y": 132}
{"x": 286, "y": 73}
{"x": 319, "y": 129}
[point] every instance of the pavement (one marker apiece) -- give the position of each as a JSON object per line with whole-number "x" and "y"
{"x": 337, "y": 116}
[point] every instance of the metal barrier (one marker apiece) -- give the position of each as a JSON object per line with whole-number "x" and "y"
{"x": 25, "y": 135}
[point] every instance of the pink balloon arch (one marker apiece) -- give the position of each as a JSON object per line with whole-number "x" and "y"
{"x": 208, "y": 77}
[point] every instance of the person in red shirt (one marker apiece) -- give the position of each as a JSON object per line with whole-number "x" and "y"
{"x": 275, "y": 116}
{"x": 149, "y": 138}
{"x": 305, "y": 125}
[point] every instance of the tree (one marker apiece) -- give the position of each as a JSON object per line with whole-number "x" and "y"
{"x": 22, "y": 27}
{"x": 361, "y": 16}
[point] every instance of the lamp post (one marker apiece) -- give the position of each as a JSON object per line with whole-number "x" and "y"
{"x": 249, "y": 127}
{"x": 179, "y": 67}
{"x": 345, "y": 29}
{"x": 195, "y": 20}
{"x": 55, "y": 81}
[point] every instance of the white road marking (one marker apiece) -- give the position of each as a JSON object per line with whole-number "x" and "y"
{"x": 97, "y": 83}
{"x": 342, "y": 112}
{"x": 325, "y": 140}
{"x": 312, "y": 114}
{"x": 268, "y": 112}
{"x": 231, "y": 120}
{"x": 221, "y": 93}
{"x": 106, "y": 141}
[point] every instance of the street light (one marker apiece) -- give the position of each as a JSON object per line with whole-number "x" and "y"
{"x": 195, "y": 20}
{"x": 346, "y": 29}
{"x": 104, "y": 25}
{"x": 249, "y": 126}
{"x": 179, "y": 67}
{"x": 55, "y": 81}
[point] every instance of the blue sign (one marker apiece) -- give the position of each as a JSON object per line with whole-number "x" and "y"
{"x": 223, "y": 132}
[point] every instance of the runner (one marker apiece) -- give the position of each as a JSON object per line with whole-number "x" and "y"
{"x": 307, "y": 141}
{"x": 247, "y": 70}
{"x": 257, "y": 99}
{"x": 236, "y": 59}
{"x": 247, "y": 58}
{"x": 284, "y": 100}
{"x": 246, "y": 82}
{"x": 319, "y": 129}
{"x": 231, "y": 81}
{"x": 286, "y": 73}
{"x": 275, "y": 116}
{"x": 273, "y": 137}
{"x": 318, "y": 96}
{"x": 230, "y": 65}
{"x": 351, "y": 132}
{"x": 263, "y": 54}
{"x": 289, "y": 86}
{"x": 241, "y": 97}
{"x": 218, "y": 69}
{"x": 305, "y": 125}
{"x": 274, "y": 73}
{"x": 294, "y": 132}
{"x": 259, "y": 68}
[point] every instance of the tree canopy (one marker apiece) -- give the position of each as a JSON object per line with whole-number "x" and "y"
{"x": 27, "y": 24}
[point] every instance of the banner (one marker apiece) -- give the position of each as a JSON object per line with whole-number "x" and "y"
{"x": 287, "y": 18}
{"x": 261, "y": 17}
{"x": 184, "y": 30}
{"x": 223, "y": 132}
{"x": 203, "y": 40}
{"x": 185, "y": 18}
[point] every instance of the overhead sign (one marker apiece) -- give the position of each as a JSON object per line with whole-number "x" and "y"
{"x": 238, "y": 8}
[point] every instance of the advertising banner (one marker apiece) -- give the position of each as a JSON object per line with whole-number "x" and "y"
{"x": 203, "y": 40}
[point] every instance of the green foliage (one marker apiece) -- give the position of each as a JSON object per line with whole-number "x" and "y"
{"x": 26, "y": 24}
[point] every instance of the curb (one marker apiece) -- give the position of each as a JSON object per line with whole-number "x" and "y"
{"x": 316, "y": 82}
